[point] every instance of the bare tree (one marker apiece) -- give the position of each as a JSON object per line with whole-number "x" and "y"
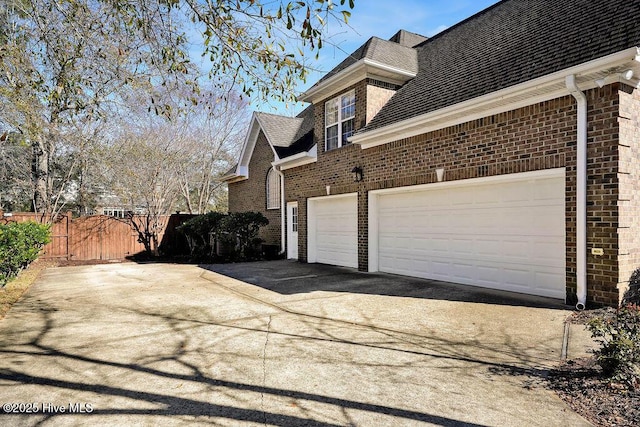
{"x": 142, "y": 172}
{"x": 211, "y": 134}
{"x": 15, "y": 176}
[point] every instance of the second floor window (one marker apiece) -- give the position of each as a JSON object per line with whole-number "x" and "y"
{"x": 339, "y": 116}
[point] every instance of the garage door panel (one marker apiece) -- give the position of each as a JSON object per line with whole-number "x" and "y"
{"x": 335, "y": 230}
{"x": 505, "y": 235}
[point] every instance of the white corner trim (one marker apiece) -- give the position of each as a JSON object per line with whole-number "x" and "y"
{"x": 533, "y": 91}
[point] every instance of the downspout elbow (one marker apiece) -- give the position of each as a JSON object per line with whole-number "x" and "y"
{"x": 581, "y": 192}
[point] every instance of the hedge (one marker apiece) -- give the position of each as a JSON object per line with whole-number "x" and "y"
{"x": 230, "y": 237}
{"x": 20, "y": 244}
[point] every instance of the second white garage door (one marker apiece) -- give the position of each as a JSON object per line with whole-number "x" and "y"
{"x": 505, "y": 233}
{"x": 333, "y": 230}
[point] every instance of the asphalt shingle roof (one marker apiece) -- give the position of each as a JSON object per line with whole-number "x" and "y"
{"x": 509, "y": 43}
{"x": 384, "y": 51}
{"x": 407, "y": 38}
{"x": 289, "y": 135}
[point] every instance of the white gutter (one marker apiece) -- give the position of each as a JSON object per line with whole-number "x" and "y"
{"x": 356, "y": 72}
{"x": 296, "y": 160}
{"x": 581, "y": 192}
{"x": 408, "y": 74}
{"x": 282, "y": 212}
{"x": 547, "y": 87}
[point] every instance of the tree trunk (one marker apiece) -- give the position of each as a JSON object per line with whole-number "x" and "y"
{"x": 40, "y": 176}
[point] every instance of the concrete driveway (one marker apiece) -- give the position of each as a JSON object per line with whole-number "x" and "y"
{"x": 282, "y": 343}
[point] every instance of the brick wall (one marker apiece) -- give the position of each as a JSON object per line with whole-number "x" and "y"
{"x": 376, "y": 98}
{"x": 629, "y": 177}
{"x": 535, "y": 137}
{"x": 250, "y": 194}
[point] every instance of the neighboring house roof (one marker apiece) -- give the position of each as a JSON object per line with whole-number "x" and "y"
{"x": 511, "y": 42}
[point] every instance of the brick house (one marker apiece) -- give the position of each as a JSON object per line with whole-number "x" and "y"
{"x": 503, "y": 152}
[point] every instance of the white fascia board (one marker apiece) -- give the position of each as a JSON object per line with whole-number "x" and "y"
{"x": 241, "y": 173}
{"x": 242, "y": 170}
{"x": 345, "y": 78}
{"x": 353, "y": 74}
{"x": 275, "y": 155}
{"x": 296, "y": 160}
{"x": 248, "y": 146}
{"x": 533, "y": 91}
{"x": 394, "y": 70}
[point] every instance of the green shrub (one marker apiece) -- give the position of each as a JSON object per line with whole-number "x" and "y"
{"x": 619, "y": 338}
{"x": 20, "y": 244}
{"x": 232, "y": 236}
{"x": 245, "y": 226}
{"x": 198, "y": 231}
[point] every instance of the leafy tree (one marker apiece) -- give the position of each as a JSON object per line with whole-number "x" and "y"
{"x": 63, "y": 62}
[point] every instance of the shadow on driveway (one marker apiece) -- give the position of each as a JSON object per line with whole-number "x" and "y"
{"x": 289, "y": 277}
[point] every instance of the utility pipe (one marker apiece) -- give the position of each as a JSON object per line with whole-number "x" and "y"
{"x": 581, "y": 192}
{"x": 283, "y": 208}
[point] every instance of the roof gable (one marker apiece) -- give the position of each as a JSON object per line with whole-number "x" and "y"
{"x": 386, "y": 59}
{"x": 287, "y": 136}
{"x": 407, "y": 38}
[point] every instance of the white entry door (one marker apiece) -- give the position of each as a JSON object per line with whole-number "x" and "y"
{"x": 292, "y": 230}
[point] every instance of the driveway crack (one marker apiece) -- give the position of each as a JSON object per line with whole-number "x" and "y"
{"x": 264, "y": 370}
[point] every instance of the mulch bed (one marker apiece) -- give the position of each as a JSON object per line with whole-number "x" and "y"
{"x": 580, "y": 383}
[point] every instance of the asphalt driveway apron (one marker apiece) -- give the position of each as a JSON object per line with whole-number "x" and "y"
{"x": 276, "y": 343}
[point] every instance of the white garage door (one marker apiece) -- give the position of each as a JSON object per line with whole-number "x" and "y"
{"x": 505, "y": 233}
{"x": 333, "y": 230}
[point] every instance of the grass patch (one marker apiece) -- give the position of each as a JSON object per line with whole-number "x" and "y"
{"x": 13, "y": 290}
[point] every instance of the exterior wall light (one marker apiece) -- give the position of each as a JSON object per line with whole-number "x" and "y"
{"x": 357, "y": 174}
{"x": 627, "y": 75}
{"x": 440, "y": 174}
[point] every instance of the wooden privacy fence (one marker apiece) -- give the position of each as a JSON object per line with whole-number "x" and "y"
{"x": 100, "y": 237}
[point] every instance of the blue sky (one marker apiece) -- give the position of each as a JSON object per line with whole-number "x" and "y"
{"x": 382, "y": 18}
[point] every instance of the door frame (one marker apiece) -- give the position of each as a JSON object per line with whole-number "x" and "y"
{"x": 291, "y": 244}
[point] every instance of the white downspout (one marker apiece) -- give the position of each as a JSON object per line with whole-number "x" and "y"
{"x": 581, "y": 192}
{"x": 283, "y": 208}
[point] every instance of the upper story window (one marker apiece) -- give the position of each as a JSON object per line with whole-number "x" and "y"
{"x": 273, "y": 190}
{"x": 339, "y": 116}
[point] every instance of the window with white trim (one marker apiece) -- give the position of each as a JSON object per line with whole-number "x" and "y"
{"x": 294, "y": 219}
{"x": 339, "y": 113}
{"x": 273, "y": 190}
